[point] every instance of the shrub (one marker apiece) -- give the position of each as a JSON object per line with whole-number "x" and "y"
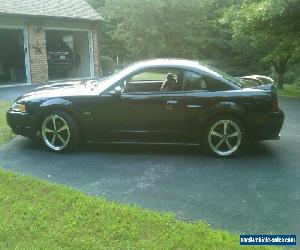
{"x": 108, "y": 65}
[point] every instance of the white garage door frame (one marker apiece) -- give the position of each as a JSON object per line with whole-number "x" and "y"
{"x": 90, "y": 42}
{"x": 26, "y": 53}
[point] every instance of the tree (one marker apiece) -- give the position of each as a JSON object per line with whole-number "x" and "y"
{"x": 96, "y": 4}
{"x": 268, "y": 28}
{"x": 168, "y": 28}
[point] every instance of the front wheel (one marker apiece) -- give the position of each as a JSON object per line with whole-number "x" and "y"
{"x": 224, "y": 136}
{"x": 59, "y": 132}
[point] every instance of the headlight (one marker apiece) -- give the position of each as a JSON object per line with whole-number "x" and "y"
{"x": 19, "y": 107}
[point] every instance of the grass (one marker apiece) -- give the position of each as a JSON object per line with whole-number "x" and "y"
{"x": 37, "y": 215}
{"x": 5, "y": 131}
{"x": 290, "y": 90}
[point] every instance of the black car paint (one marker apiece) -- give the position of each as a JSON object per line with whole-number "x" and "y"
{"x": 152, "y": 117}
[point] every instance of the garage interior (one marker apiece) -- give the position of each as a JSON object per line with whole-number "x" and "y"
{"x": 12, "y": 56}
{"x": 68, "y": 54}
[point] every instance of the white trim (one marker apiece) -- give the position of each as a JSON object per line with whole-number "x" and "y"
{"x": 27, "y": 56}
{"x": 91, "y": 54}
{"x": 66, "y": 29}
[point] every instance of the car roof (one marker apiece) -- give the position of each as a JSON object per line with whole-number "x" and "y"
{"x": 170, "y": 62}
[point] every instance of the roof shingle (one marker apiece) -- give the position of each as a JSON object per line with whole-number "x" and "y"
{"x": 72, "y": 9}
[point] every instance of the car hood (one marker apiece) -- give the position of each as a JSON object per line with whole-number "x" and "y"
{"x": 63, "y": 89}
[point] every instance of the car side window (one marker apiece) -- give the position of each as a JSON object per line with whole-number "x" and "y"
{"x": 194, "y": 81}
{"x": 150, "y": 75}
{"x": 155, "y": 80}
{"x": 216, "y": 85}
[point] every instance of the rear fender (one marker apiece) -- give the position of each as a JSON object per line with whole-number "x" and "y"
{"x": 224, "y": 108}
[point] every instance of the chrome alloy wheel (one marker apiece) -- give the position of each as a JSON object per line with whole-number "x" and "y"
{"x": 224, "y": 137}
{"x": 55, "y": 132}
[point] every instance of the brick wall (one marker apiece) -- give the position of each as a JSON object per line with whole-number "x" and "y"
{"x": 96, "y": 50}
{"x": 37, "y": 52}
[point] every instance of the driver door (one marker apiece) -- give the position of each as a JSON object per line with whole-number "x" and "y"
{"x": 142, "y": 113}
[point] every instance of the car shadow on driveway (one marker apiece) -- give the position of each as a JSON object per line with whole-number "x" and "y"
{"x": 250, "y": 149}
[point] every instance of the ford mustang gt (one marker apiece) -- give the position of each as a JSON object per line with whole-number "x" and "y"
{"x": 162, "y": 101}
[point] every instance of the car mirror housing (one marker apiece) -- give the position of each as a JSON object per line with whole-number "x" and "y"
{"x": 117, "y": 91}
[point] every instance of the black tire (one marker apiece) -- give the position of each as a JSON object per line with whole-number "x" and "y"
{"x": 59, "y": 132}
{"x": 219, "y": 143}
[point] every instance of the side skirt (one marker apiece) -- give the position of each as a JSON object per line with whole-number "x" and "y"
{"x": 144, "y": 143}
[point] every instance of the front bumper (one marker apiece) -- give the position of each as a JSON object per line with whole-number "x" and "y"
{"x": 268, "y": 127}
{"x": 22, "y": 123}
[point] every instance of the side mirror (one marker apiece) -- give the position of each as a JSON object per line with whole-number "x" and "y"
{"x": 117, "y": 91}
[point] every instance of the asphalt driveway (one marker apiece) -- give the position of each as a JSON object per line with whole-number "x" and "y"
{"x": 257, "y": 191}
{"x": 11, "y": 93}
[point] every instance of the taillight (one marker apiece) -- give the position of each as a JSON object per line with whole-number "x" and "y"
{"x": 275, "y": 104}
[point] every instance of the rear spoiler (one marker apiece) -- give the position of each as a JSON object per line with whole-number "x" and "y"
{"x": 266, "y": 87}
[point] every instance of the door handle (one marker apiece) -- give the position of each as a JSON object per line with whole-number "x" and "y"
{"x": 172, "y": 102}
{"x": 194, "y": 106}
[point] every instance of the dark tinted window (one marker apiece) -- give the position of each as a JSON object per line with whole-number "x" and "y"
{"x": 234, "y": 80}
{"x": 216, "y": 85}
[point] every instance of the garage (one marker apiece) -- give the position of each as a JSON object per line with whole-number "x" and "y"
{"x": 39, "y": 44}
{"x": 12, "y": 56}
{"x": 68, "y": 54}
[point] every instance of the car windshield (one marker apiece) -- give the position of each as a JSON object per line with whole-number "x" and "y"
{"x": 110, "y": 80}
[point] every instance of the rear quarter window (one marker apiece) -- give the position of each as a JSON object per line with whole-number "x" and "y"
{"x": 196, "y": 81}
{"x": 216, "y": 85}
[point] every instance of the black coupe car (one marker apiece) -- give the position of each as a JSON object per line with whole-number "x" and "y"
{"x": 162, "y": 101}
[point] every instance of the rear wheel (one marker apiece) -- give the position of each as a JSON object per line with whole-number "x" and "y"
{"x": 224, "y": 136}
{"x": 59, "y": 132}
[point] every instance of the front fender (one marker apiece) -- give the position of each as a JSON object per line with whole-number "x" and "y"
{"x": 57, "y": 104}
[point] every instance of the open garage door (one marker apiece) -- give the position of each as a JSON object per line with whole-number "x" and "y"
{"x": 12, "y": 56}
{"x": 68, "y": 54}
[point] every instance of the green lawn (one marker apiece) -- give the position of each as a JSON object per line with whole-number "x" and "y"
{"x": 290, "y": 90}
{"x": 5, "y": 132}
{"x": 37, "y": 215}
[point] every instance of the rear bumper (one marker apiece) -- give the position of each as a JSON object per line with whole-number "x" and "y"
{"x": 22, "y": 123}
{"x": 267, "y": 127}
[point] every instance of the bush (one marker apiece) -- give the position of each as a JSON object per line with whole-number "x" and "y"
{"x": 108, "y": 65}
